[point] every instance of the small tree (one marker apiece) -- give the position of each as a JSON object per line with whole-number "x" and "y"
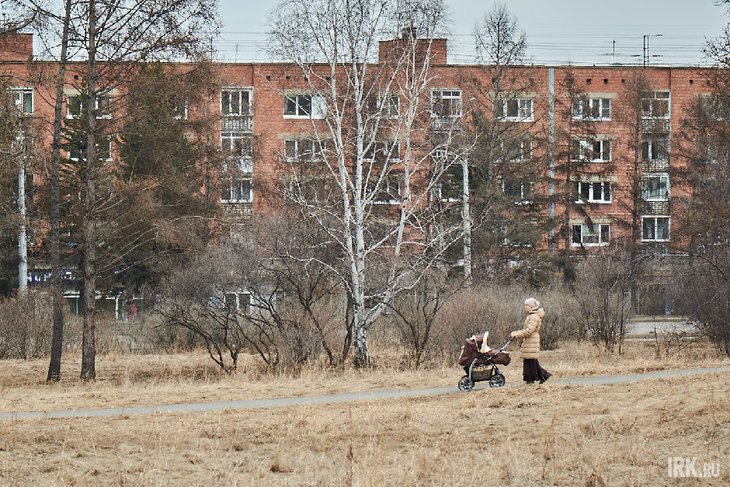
{"x": 601, "y": 290}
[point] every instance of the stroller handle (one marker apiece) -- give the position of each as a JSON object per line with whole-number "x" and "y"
{"x": 506, "y": 344}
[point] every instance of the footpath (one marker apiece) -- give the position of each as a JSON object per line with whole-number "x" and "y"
{"x": 595, "y": 380}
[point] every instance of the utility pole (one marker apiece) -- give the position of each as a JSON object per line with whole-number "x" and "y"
{"x": 646, "y": 47}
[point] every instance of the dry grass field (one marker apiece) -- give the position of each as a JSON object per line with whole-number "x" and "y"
{"x": 539, "y": 435}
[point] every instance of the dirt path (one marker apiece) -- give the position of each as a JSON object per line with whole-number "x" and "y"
{"x": 338, "y": 398}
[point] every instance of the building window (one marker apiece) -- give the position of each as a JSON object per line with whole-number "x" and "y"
{"x": 656, "y": 106}
{"x": 237, "y": 301}
{"x": 515, "y": 110}
{"x": 304, "y": 106}
{"x": 77, "y": 151}
{"x": 519, "y": 192}
{"x": 594, "y": 192}
{"x": 305, "y": 150}
{"x": 591, "y": 150}
{"x": 655, "y": 187}
{"x": 180, "y": 108}
{"x": 236, "y": 189}
{"x": 390, "y": 106}
{"x": 384, "y": 105}
{"x": 23, "y": 99}
{"x": 585, "y": 235}
{"x": 76, "y": 106}
{"x": 389, "y": 191}
{"x": 235, "y": 102}
{"x": 445, "y": 109}
{"x": 713, "y": 107}
{"x": 655, "y": 148}
{"x": 519, "y": 150}
{"x": 236, "y": 145}
{"x": 655, "y": 228}
{"x": 592, "y": 109}
{"x": 383, "y": 151}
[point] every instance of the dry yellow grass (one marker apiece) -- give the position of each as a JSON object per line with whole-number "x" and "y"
{"x": 618, "y": 435}
{"x": 141, "y": 380}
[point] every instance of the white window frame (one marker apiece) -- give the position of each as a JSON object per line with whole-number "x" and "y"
{"x": 304, "y": 150}
{"x": 75, "y": 155}
{"x": 650, "y": 105}
{"x": 587, "y": 234}
{"x": 655, "y": 192}
{"x": 234, "y": 144}
{"x": 378, "y": 151}
{"x": 21, "y": 95}
{"x": 519, "y": 150}
{"x": 654, "y": 221}
{"x": 522, "y": 111}
{"x": 237, "y": 188}
{"x": 389, "y": 105}
{"x": 596, "y": 192}
{"x": 180, "y": 109}
{"x": 589, "y": 148}
{"x": 599, "y": 109}
{"x": 99, "y": 103}
{"x": 388, "y": 186}
{"x": 526, "y": 191}
{"x": 651, "y": 148}
{"x": 233, "y": 103}
{"x": 317, "y": 106}
{"x": 237, "y": 300}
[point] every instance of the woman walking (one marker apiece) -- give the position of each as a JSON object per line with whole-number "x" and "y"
{"x": 530, "y": 348}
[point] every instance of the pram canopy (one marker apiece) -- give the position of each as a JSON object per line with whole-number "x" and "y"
{"x": 475, "y": 347}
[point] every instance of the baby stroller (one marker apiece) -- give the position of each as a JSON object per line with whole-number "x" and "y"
{"x": 480, "y": 362}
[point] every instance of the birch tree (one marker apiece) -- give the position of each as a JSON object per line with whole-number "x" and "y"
{"x": 369, "y": 123}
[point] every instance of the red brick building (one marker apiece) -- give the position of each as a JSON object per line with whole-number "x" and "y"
{"x": 589, "y": 132}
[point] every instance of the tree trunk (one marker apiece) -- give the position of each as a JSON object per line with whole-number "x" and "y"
{"x": 54, "y": 368}
{"x": 466, "y": 220}
{"x": 88, "y": 347}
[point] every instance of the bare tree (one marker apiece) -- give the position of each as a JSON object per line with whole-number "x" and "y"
{"x": 111, "y": 37}
{"x": 368, "y": 121}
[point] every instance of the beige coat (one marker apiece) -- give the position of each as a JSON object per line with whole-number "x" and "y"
{"x": 530, "y": 334}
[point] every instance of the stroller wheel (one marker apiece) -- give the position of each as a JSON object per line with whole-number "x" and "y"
{"x": 465, "y": 383}
{"x": 497, "y": 380}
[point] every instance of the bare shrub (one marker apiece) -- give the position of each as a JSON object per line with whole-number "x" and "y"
{"x": 706, "y": 294}
{"x": 602, "y": 293}
{"x": 25, "y": 326}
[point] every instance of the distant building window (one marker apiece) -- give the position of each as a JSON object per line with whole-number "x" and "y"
{"x": 304, "y": 106}
{"x": 594, "y": 192}
{"x": 237, "y": 301}
{"x": 515, "y": 110}
{"x": 236, "y": 189}
{"x": 76, "y": 106}
{"x": 23, "y": 99}
{"x": 235, "y": 102}
{"x": 237, "y": 145}
{"x": 592, "y": 109}
{"x": 305, "y": 150}
{"x": 655, "y": 148}
{"x": 655, "y": 187}
{"x": 519, "y": 150}
{"x": 77, "y": 151}
{"x": 656, "y": 105}
{"x": 517, "y": 191}
{"x": 446, "y": 109}
{"x": 655, "y": 228}
{"x": 591, "y": 235}
{"x": 591, "y": 150}
{"x": 383, "y": 151}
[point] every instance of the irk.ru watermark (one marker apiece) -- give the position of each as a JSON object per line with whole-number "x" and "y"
{"x": 689, "y": 467}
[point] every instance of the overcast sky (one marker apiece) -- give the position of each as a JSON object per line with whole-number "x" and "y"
{"x": 558, "y": 31}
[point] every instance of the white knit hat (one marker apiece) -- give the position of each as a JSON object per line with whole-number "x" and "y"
{"x": 532, "y": 303}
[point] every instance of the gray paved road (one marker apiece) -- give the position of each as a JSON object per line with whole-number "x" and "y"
{"x": 335, "y": 398}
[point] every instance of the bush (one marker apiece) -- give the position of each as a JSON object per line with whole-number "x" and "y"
{"x": 25, "y": 326}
